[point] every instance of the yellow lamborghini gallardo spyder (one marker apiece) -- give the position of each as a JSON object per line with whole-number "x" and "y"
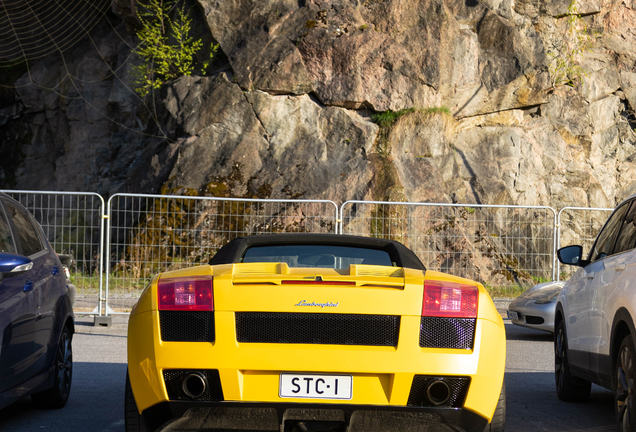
{"x": 314, "y": 332}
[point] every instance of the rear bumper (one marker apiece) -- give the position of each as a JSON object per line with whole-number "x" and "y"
{"x": 181, "y": 415}
{"x": 250, "y": 372}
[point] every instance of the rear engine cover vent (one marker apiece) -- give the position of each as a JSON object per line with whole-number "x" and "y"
{"x": 317, "y": 328}
{"x": 436, "y": 332}
{"x": 186, "y": 326}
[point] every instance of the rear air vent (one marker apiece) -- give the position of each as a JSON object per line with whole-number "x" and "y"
{"x": 317, "y": 328}
{"x": 186, "y": 326}
{"x": 439, "y": 332}
{"x": 378, "y": 271}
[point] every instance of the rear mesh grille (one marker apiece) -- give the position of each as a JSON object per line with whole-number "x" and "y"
{"x": 458, "y": 389}
{"x": 447, "y": 332}
{"x": 174, "y": 377}
{"x": 317, "y": 328}
{"x": 186, "y": 326}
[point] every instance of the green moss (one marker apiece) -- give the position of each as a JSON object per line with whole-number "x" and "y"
{"x": 310, "y": 24}
{"x": 387, "y": 221}
{"x": 387, "y": 118}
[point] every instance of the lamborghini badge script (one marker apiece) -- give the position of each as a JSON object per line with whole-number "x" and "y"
{"x": 322, "y": 305}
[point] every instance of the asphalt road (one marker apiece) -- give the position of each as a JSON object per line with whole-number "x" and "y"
{"x": 97, "y": 393}
{"x": 531, "y": 400}
{"x": 96, "y": 401}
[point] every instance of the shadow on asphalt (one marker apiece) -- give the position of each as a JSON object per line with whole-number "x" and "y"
{"x": 515, "y": 332}
{"x": 96, "y": 403}
{"x": 533, "y": 405}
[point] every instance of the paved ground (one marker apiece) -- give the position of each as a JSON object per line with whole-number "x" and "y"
{"x": 97, "y": 395}
{"x": 532, "y": 403}
{"x": 96, "y": 402}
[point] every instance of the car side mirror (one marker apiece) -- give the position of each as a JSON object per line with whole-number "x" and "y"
{"x": 572, "y": 255}
{"x": 66, "y": 260}
{"x": 14, "y": 264}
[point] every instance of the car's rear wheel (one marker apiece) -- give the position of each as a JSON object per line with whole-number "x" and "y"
{"x": 498, "y": 422}
{"x": 624, "y": 386}
{"x": 133, "y": 420}
{"x": 569, "y": 388}
{"x": 57, "y": 396}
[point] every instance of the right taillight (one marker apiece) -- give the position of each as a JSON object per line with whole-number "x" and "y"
{"x": 449, "y": 299}
{"x": 185, "y": 294}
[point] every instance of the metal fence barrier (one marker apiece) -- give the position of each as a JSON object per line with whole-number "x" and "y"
{"x": 73, "y": 222}
{"x": 499, "y": 246}
{"x": 578, "y": 225}
{"x": 154, "y": 233}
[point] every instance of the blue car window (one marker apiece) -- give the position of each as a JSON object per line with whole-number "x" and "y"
{"x": 7, "y": 245}
{"x": 27, "y": 233}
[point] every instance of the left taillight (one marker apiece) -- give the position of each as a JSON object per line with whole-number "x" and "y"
{"x": 449, "y": 299}
{"x": 186, "y": 294}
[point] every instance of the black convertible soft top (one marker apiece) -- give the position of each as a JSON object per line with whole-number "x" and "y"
{"x": 233, "y": 251}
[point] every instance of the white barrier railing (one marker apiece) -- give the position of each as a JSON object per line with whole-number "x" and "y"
{"x": 74, "y": 224}
{"x": 153, "y": 233}
{"x": 494, "y": 244}
{"x": 146, "y": 234}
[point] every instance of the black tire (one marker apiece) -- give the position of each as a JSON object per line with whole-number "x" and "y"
{"x": 498, "y": 422}
{"x": 569, "y": 388}
{"x": 133, "y": 420}
{"x": 624, "y": 386}
{"x": 57, "y": 396}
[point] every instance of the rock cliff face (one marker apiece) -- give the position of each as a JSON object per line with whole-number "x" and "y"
{"x": 289, "y": 110}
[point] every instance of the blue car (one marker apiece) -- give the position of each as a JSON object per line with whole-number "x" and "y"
{"x": 36, "y": 314}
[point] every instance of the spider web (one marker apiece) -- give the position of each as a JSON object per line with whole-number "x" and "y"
{"x": 33, "y": 29}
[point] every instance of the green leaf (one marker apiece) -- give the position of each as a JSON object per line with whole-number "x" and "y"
{"x": 166, "y": 48}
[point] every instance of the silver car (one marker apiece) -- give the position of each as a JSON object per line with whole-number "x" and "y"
{"x": 535, "y": 307}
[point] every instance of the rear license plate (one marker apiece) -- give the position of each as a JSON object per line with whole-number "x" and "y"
{"x": 513, "y": 315}
{"x": 315, "y": 386}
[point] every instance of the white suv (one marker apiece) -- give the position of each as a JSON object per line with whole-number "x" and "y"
{"x": 594, "y": 321}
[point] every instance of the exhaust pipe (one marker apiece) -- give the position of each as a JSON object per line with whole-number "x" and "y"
{"x": 194, "y": 385}
{"x": 438, "y": 392}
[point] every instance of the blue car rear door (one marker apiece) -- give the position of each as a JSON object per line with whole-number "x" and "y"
{"x": 25, "y": 337}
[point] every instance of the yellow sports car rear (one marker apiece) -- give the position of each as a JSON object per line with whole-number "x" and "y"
{"x": 314, "y": 332}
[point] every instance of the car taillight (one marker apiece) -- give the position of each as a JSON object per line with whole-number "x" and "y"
{"x": 449, "y": 299}
{"x": 186, "y": 294}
